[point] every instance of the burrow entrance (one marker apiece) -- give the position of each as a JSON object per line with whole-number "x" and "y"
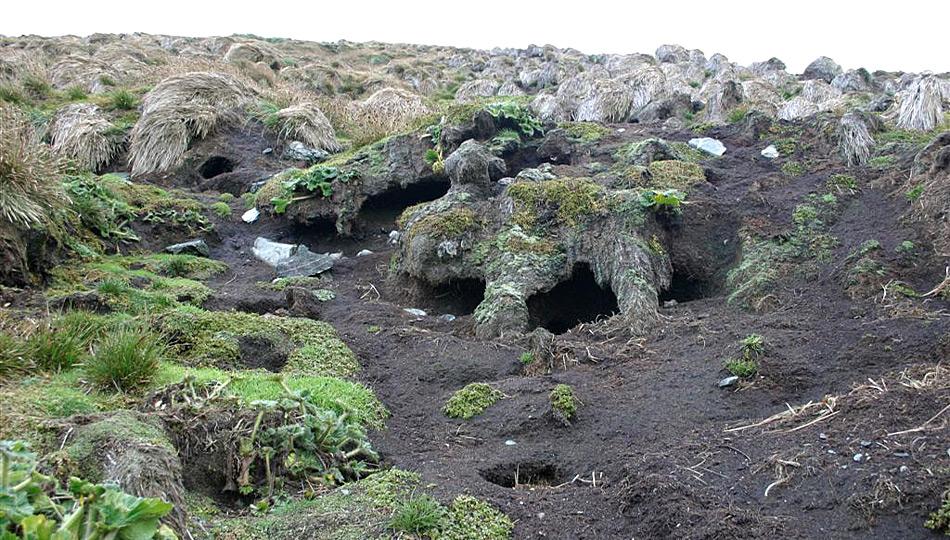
{"x": 380, "y": 211}
{"x": 524, "y": 474}
{"x": 456, "y": 297}
{"x": 703, "y": 247}
{"x": 261, "y": 353}
{"x": 578, "y": 300}
{"x": 215, "y": 166}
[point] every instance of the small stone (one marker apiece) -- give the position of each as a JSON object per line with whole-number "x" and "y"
{"x": 823, "y": 436}
{"x": 708, "y": 145}
{"x": 268, "y": 151}
{"x": 447, "y": 317}
{"x": 670, "y": 303}
{"x": 901, "y": 454}
{"x": 192, "y": 247}
{"x": 364, "y": 252}
{"x": 415, "y": 312}
{"x": 728, "y": 381}
{"x": 510, "y": 442}
{"x": 770, "y": 152}
{"x": 256, "y": 186}
{"x": 858, "y": 457}
{"x": 904, "y": 468}
{"x": 621, "y": 130}
{"x": 393, "y": 237}
{"x": 298, "y": 151}
{"x": 506, "y": 181}
{"x": 251, "y": 215}
{"x": 865, "y": 443}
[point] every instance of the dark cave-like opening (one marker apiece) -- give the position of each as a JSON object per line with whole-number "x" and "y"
{"x": 457, "y": 297}
{"x": 577, "y": 300}
{"x": 383, "y": 209}
{"x": 214, "y": 166}
{"x": 685, "y": 287}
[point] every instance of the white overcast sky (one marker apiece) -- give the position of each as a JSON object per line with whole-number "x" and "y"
{"x": 907, "y": 35}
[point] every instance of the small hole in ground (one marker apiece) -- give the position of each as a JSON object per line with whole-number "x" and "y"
{"x": 258, "y": 352}
{"x": 578, "y": 300}
{"x": 214, "y": 166}
{"x": 527, "y": 473}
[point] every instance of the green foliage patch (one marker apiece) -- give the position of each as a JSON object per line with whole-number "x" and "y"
{"x": 471, "y": 401}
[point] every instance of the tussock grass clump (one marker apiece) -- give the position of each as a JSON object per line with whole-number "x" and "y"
{"x": 471, "y": 400}
{"x": 57, "y": 349}
{"x": 30, "y": 190}
{"x": 854, "y": 139}
{"x": 80, "y": 132}
{"x": 921, "y": 105}
{"x": 417, "y": 515}
{"x": 303, "y": 121}
{"x": 179, "y": 109}
{"x": 14, "y": 357}
{"x": 126, "y": 359}
{"x": 386, "y": 112}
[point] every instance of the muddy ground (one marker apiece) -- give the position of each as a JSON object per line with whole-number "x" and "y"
{"x": 649, "y": 454}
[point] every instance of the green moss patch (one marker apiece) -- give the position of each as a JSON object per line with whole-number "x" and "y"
{"x": 451, "y": 223}
{"x": 471, "y": 400}
{"x": 572, "y": 199}
{"x": 584, "y": 132}
{"x": 563, "y": 401}
{"x": 215, "y": 338}
{"x": 675, "y": 174}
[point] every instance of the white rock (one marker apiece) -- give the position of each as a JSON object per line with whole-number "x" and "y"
{"x": 272, "y": 253}
{"x": 510, "y": 442}
{"x": 364, "y": 252}
{"x": 770, "y": 152}
{"x": 251, "y": 215}
{"x": 728, "y": 381}
{"x": 708, "y": 145}
{"x": 393, "y": 237}
{"x": 415, "y": 312}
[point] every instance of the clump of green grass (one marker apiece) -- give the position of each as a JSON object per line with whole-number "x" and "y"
{"x": 57, "y": 349}
{"x": 842, "y": 183}
{"x": 417, "y": 515}
{"x": 563, "y": 401}
{"x": 126, "y": 360}
{"x": 882, "y": 162}
{"x": 675, "y": 174}
{"x": 76, "y": 93}
{"x": 906, "y": 247}
{"x": 737, "y": 115}
{"x": 471, "y": 400}
{"x": 752, "y": 348}
{"x": 584, "y": 132}
{"x": 915, "y": 192}
{"x": 122, "y": 100}
{"x": 221, "y": 209}
{"x": 14, "y": 357}
{"x": 526, "y": 358}
{"x": 226, "y": 197}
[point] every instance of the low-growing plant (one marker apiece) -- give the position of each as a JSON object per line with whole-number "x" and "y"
{"x": 793, "y": 168}
{"x": 526, "y": 358}
{"x": 752, "y": 348}
{"x": 519, "y": 116}
{"x": 939, "y": 520}
{"x": 752, "y": 345}
{"x": 471, "y": 400}
{"x": 76, "y": 93}
{"x": 842, "y": 183}
{"x": 34, "y": 507}
{"x": 915, "y": 192}
{"x": 221, "y": 209}
{"x": 417, "y": 515}
{"x": 305, "y": 184}
{"x": 906, "y": 247}
{"x": 126, "y": 360}
{"x": 663, "y": 200}
{"x": 741, "y": 367}
{"x": 563, "y": 401}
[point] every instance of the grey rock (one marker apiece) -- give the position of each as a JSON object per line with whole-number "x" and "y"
{"x": 880, "y": 103}
{"x": 858, "y": 457}
{"x": 823, "y": 68}
{"x": 267, "y": 151}
{"x": 770, "y": 152}
{"x": 272, "y": 252}
{"x": 304, "y": 263}
{"x": 447, "y": 317}
{"x": 665, "y": 109}
{"x": 192, "y": 247}
{"x": 708, "y": 145}
{"x": 364, "y": 252}
{"x": 298, "y": 151}
{"x": 672, "y": 54}
{"x": 649, "y": 150}
{"x": 904, "y": 469}
{"x": 471, "y": 168}
{"x": 394, "y": 237}
{"x": 728, "y": 381}
{"x": 415, "y": 312}
{"x": 855, "y": 80}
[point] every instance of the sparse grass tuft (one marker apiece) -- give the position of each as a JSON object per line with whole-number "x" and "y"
{"x": 221, "y": 209}
{"x": 563, "y": 401}
{"x": 14, "y": 357}
{"x": 122, "y": 100}
{"x": 55, "y": 349}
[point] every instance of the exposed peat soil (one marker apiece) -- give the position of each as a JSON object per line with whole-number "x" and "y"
{"x": 648, "y": 454}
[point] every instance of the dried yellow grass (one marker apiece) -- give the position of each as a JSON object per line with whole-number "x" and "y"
{"x": 81, "y": 133}
{"x": 179, "y": 109}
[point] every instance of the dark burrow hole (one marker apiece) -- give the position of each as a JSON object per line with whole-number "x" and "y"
{"x": 380, "y": 211}
{"x": 456, "y": 297}
{"x": 578, "y": 300}
{"x": 685, "y": 287}
{"x": 525, "y": 473}
{"x": 261, "y": 353}
{"x": 214, "y": 166}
